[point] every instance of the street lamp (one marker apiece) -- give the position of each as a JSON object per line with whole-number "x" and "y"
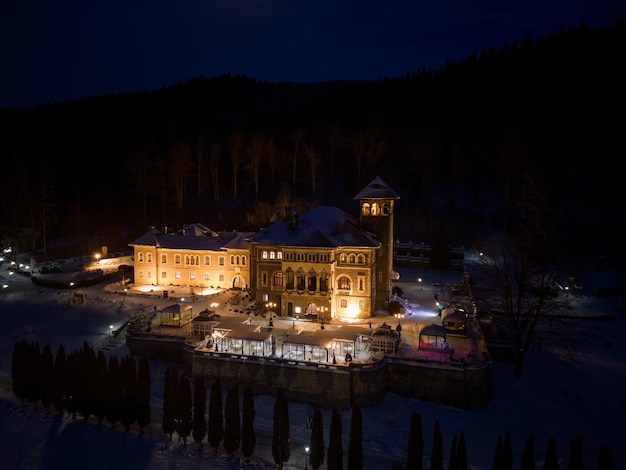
{"x": 270, "y": 306}
{"x": 71, "y": 286}
{"x": 306, "y": 456}
{"x": 110, "y": 330}
{"x": 214, "y": 306}
{"x": 419, "y": 279}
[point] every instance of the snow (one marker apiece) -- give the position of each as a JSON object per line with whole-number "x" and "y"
{"x": 586, "y": 399}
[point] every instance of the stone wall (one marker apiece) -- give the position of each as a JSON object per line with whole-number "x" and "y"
{"x": 461, "y": 385}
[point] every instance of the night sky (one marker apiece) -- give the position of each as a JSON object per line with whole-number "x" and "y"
{"x": 58, "y": 50}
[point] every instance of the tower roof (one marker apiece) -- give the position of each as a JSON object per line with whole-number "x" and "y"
{"x": 377, "y": 189}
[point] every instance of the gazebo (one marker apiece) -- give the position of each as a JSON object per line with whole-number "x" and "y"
{"x": 175, "y": 315}
{"x": 454, "y": 320}
{"x": 433, "y": 338}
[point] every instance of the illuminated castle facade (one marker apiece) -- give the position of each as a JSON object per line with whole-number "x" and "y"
{"x": 322, "y": 263}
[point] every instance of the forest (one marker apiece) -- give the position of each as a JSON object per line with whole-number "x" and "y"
{"x": 457, "y": 143}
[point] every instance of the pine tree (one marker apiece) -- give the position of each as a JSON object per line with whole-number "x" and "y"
{"x": 215, "y": 426}
{"x": 355, "y": 446}
{"x": 19, "y": 369}
{"x": 33, "y": 376}
{"x": 507, "y": 453}
{"x": 100, "y": 393}
{"x": 436, "y": 456}
{"x": 232, "y": 421}
{"x": 248, "y": 436}
{"x": 335, "y": 446}
{"x": 575, "y": 460}
{"x": 528, "y": 455}
{"x": 453, "y": 463}
{"x": 551, "y": 461}
{"x": 605, "y": 458}
{"x": 199, "y": 411}
{"x": 144, "y": 394}
{"x": 129, "y": 385}
{"x": 497, "y": 456}
{"x": 415, "y": 445}
{"x": 184, "y": 421}
{"x": 317, "y": 453}
{"x": 281, "y": 440}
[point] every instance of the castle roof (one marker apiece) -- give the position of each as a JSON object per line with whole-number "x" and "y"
{"x": 377, "y": 189}
{"x": 321, "y": 226}
{"x": 193, "y": 237}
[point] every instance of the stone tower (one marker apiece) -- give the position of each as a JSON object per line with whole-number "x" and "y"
{"x": 376, "y": 208}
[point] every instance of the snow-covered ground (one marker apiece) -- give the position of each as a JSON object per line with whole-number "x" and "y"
{"x": 586, "y": 399}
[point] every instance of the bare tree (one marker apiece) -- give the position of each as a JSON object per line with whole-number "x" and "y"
{"x": 235, "y": 147}
{"x": 215, "y": 154}
{"x": 180, "y": 161}
{"x": 256, "y": 154}
{"x": 296, "y": 138}
{"x": 522, "y": 271}
{"x": 314, "y": 163}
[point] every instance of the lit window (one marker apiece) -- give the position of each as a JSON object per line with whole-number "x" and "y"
{"x": 192, "y": 276}
{"x": 221, "y": 260}
{"x": 207, "y": 276}
{"x": 264, "y": 255}
{"x": 177, "y": 275}
{"x": 343, "y": 303}
{"x": 343, "y": 283}
{"x": 278, "y": 279}
{"x": 279, "y": 255}
{"x": 272, "y": 255}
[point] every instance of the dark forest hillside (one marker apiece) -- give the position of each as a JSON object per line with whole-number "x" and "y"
{"x": 228, "y": 151}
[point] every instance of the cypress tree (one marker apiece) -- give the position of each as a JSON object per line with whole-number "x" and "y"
{"x": 33, "y": 376}
{"x": 281, "y": 445}
{"x": 436, "y": 456}
{"x": 551, "y": 461}
{"x": 335, "y": 446}
{"x": 316, "y": 456}
{"x": 575, "y": 460}
{"x": 184, "y": 421}
{"x": 144, "y": 393}
{"x": 355, "y": 446}
{"x": 461, "y": 452}
{"x": 167, "y": 422}
{"x": 215, "y": 427}
{"x": 507, "y": 453}
{"x": 100, "y": 393}
{"x": 73, "y": 378}
{"x": 415, "y": 445}
{"x": 497, "y": 456}
{"x": 60, "y": 386}
{"x": 130, "y": 393}
{"x": 248, "y": 436}
{"x": 199, "y": 411}
{"x": 453, "y": 463}
{"x": 232, "y": 421}
{"x": 528, "y": 455}
{"x": 605, "y": 458}
{"x": 47, "y": 372}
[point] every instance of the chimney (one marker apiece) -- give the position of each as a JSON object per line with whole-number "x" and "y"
{"x": 294, "y": 220}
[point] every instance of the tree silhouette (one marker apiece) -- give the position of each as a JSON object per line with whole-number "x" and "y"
{"x": 551, "y": 461}
{"x": 415, "y": 444}
{"x": 232, "y": 421}
{"x": 335, "y": 446}
{"x": 184, "y": 418}
{"x": 215, "y": 429}
{"x": 281, "y": 440}
{"x": 168, "y": 421}
{"x": 507, "y": 452}
{"x": 199, "y": 411}
{"x": 497, "y": 456}
{"x": 144, "y": 393}
{"x": 436, "y": 455}
{"x": 453, "y": 462}
{"x": 317, "y": 447}
{"x": 355, "y": 446}
{"x": 248, "y": 436}
{"x": 605, "y": 458}
{"x": 528, "y": 455}
{"x": 575, "y": 460}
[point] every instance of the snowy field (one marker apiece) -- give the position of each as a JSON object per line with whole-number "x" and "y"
{"x": 586, "y": 399}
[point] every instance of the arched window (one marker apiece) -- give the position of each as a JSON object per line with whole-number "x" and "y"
{"x": 272, "y": 255}
{"x": 140, "y": 257}
{"x": 277, "y": 279}
{"x": 385, "y": 208}
{"x": 365, "y": 209}
{"x": 264, "y": 255}
{"x": 289, "y": 274}
{"x": 361, "y": 259}
{"x": 323, "y": 281}
{"x": 243, "y": 260}
{"x": 177, "y": 259}
{"x": 232, "y": 260}
{"x": 149, "y": 257}
{"x": 343, "y": 258}
{"x": 207, "y": 260}
{"x": 375, "y": 209}
{"x": 279, "y": 255}
{"x": 352, "y": 259}
{"x": 312, "y": 280}
{"x": 343, "y": 282}
{"x": 300, "y": 279}
{"x": 163, "y": 259}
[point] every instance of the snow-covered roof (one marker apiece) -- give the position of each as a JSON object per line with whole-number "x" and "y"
{"x": 433, "y": 330}
{"x": 321, "y": 226}
{"x": 377, "y": 189}
{"x": 193, "y": 237}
